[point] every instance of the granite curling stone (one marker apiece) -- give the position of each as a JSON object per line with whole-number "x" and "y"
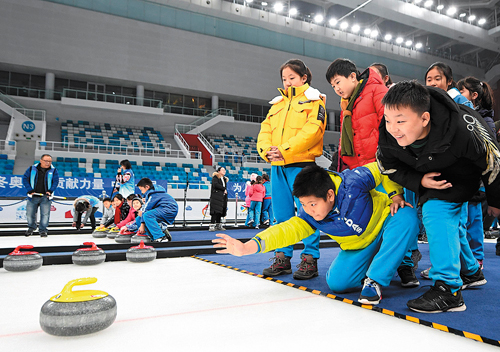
{"x": 141, "y": 253}
{"x": 73, "y": 313}
{"x": 124, "y": 236}
{"x": 140, "y": 238}
{"x": 100, "y": 232}
{"x": 113, "y": 232}
{"x": 88, "y": 256}
{"x": 22, "y": 261}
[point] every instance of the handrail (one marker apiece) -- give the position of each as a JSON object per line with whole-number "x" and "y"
{"x": 253, "y": 159}
{"x": 66, "y": 140}
{"x": 33, "y": 114}
{"x": 192, "y": 154}
{"x": 112, "y": 98}
{"x": 30, "y": 92}
{"x": 211, "y": 115}
{"x": 11, "y": 102}
{"x": 206, "y": 143}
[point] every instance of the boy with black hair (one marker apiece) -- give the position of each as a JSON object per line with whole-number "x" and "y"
{"x": 441, "y": 151}
{"x": 160, "y": 209}
{"x": 373, "y": 231}
{"x": 85, "y": 204}
{"x": 107, "y": 215}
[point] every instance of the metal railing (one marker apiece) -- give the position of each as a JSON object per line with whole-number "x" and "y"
{"x": 183, "y": 110}
{"x": 192, "y": 154}
{"x": 8, "y": 146}
{"x": 10, "y": 102}
{"x": 67, "y": 139}
{"x": 206, "y": 143}
{"x": 111, "y": 98}
{"x": 30, "y": 92}
{"x": 249, "y": 118}
{"x": 112, "y": 149}
{"x": 36, "y": 115}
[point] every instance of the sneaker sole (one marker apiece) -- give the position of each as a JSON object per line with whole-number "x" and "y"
{"x": 474, "y": 284}
{"x": 366, "y": 301}
{"x": 305, "y": 277}
{"x": 410, "y": 284}
{"x": 455, "y": 309}
{"x": 283, "y": 272}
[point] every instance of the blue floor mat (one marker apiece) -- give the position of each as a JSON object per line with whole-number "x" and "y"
{"x": 481, "y": 316}
{"x": 203, "y": 235}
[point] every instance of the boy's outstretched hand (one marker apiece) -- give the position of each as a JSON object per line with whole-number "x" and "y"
{"x": 398, "y": 202}
{"x": 234, "y": 246}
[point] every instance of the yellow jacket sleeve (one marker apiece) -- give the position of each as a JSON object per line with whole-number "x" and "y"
{"x": 308, "y": 135}
{"x": 287, "y": 233}
{"x": 392, "y": 188}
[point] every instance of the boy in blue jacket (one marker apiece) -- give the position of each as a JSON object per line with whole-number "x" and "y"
{"x": 160, "y": 209}
{"x": 373, "y": 234}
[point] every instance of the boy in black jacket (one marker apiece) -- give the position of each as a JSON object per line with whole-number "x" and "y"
{"x": 440, "y": 151}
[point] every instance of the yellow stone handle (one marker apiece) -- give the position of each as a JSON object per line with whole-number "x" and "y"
{"x": 68, "y": 289}
{"x": 68, "y": 295}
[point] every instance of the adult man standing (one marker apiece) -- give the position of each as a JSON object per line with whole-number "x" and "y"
{"x": 41, "y": 178}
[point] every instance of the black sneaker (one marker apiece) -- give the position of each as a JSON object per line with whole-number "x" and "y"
{"x": 407, "y": 276}
{"x": 308, "y": 268}
{"x": 43, "y": 234}
{"x": 29, "y": 232}
{"x": 437, "y": 300}
{"x": 281, "y": 265}
{"x": 476, "y": 279}
{"x": 415, "y": 258}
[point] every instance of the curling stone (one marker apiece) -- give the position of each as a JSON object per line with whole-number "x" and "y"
{"x": 22, "y": 261}
{"x": 73, "y": 313}
{"x": 141, "y": 253}
{"x": 88, "y": 256}
{"x": 113, "y": 232}
{"x": 100, "y": 232}
{"x": 140, "y": 238}
{"x": 124, "y": 236}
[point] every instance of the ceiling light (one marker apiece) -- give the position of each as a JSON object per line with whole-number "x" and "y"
{"x": 417, "y": 1}
{"x": 278, "y": 7}
{"x": 367, "y": 31}
{"x": 249, "y": 1}
{"x": 481, "y": 21}
{"x": 440, "y": 7}
{"x": 399, "y": 40}
{"x": 333, "y": 22}
{"x": 428, "y": 3}
{"x": 451, "y": 11}
{"x": 293, "y": 11}
{"x": 418, "y": 45}
{"x": 264, "y": 3}
{"x": 388, "y": 37}
{"x": 374, "y": 33}
{"x": 409, "y": 43}
{"x": 318, "y": 18}
{"x": 344, "y": 25}
{"x": 471, "y": 18}
{"x": 462, "y": 15}
{"x": 355, "y": 28}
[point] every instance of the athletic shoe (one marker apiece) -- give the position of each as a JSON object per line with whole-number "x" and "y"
{"x": 281, "y": 265}
{"x": 219, "y": 227}
{"x": 476, "y": 279}
{"x": 422, "y": 238}
{"x": 415, "y": 258}
{"x": 266, "y": 222}
{"x": 308, "y": 268}
{"x": 438, "y": 299}
{"x": 161, "y": 239}
{"x": 371, "y": 292}
{"x": 257, "y": 227}
{"x": 407, "y": 276}
{"x": 491, "y": 234}
{"x": 212, "y": 228}
{"x": 425, "y": 273}
{"x": 29, "y": 232}
{"x": 43, "y": 234}
{"x": 481, "y": 266}
{"x": 167, "y": 237}
{"x": 250, "y": 223}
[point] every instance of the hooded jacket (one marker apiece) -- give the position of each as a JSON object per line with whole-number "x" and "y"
{"x": 460, "y": 146}
{"x": 163, "y": 202}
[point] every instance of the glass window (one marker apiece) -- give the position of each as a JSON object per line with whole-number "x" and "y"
{"x": 256, "y": 110}
{"x": 19, "y": 79}
{"x": 60, "y": 84}
{"x": 37, "y": 82}
{"x": 113, "y": 89}
{"x": 4, "y": 78}
{"x": 79, "y": 85}
{"x": 232, "y": 105}
{"x": 244, "y": 108}
{"x": 130, "y": 92}
{"x": 265, "y": 110}
{"x": 176, "y": 99}
{"x": 205, "y": 103}
{"x": 161, "y": 96}
{"x": 191, "y": 102}
{"x": 149, "y": 94}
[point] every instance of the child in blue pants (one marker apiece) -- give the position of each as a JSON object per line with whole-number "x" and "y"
{"x": 441, "y": 151}
{"x": 159, "y": 208}
{"x": 373, "y": 231}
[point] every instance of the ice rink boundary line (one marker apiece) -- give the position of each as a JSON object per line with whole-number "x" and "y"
{"x": 437, "y": 326}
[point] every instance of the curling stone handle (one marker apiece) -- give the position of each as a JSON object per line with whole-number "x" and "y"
{"x": 92, "y": 244}
{"x": 67, "y": 290}
{"x": 23, "y": 246}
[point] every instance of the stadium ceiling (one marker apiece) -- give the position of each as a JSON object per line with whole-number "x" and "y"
{"x": 465, "y": 31}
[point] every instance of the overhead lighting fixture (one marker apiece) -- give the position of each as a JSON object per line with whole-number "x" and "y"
{"x": 264, "y": 3}
{"x": 418, "y": 1}
{"x": 278, "y": 7}
{"x": 333, "y": 22}
{"x": 481, "y": 21}
{"x": 318, "y": 18}
{"x": 374, "y": 34}
{"x": 451, "y": 11}
{"x": 418, "y": 46}
{"x": 293, "y": 11}
{"x": 388, "y": 37}
{"x": 471, "y": 18}
{"x": 428, "y": 3}
{"x": 355, "y": 28}
{"x": 367, "y": 31}
{"x": 440, "y": 7}
{"x": 462, "y": 15}
{"x": 399, "y": 40}
{"x": 248, "y": 1}
{"x": 409, "y": 43}
{"x": 344, "y": 25}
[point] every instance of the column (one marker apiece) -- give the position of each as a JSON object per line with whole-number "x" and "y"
{"x": 50, "y": 79}
{"x": 140, "y": 95}
{"x": 215, "y": 102}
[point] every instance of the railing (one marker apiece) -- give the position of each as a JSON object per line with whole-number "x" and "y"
{"x": 327, "y": 155}
{"x": 36, "y": 115}
{"x": 10, "y": 102}
{"x": 66, "y": 139}
{"x": 30, "y": 92}
{"x": 192, "y": 154}
{"x": 112, "y": 149}
{"x": 253, "y": 159}
{"x": 111, "y": 98}
{"x": 8, "y": 146}
{"x": 187, "y": 128}
{"x": 206, "y": 143}
{"x": 249, "y": 118}
{"x": 183, "y": 110}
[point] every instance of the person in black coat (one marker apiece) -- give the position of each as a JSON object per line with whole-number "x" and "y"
{"x": 218, "y": 199}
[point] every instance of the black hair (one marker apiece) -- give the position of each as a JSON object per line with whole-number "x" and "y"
{"x": 265, "y": 177}
{"x": 44, "y": 155}
{"x": 408, "y": 94}
{"x": 258, "y": 179}
{"x": 80, "y": 207}
{"x": 107, "y": 199}
{"x": 119, "y": 196}
{"x": 384, "y": 71}
{"x": 131, "y": 196}
{"x": 341, "y": 67}
{"x": 445, "y": 70}
{"x": 220, "y": 167}
{"x": 313, "y": 181}
{"x": 484, "y": 92}
{"x": 252, "y": 182}
{"x": 146, "y": 182}
{"x": 299, "y": 67}
{"x": 126, "y": 164}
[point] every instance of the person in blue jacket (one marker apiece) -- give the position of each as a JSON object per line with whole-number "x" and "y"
{"x": 267, "y": 205}
{"x": 41, "y": 178}
{"x": 160, "y": 209}
{"x": 85, "y": 204}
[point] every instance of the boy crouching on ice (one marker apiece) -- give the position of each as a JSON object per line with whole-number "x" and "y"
{"x": 373, "y": 231}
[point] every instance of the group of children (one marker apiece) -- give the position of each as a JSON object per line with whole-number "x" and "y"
{"x": 258, "y": 201}
{"x": 148, "y": 214}
{"x": 405, "y": 149}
